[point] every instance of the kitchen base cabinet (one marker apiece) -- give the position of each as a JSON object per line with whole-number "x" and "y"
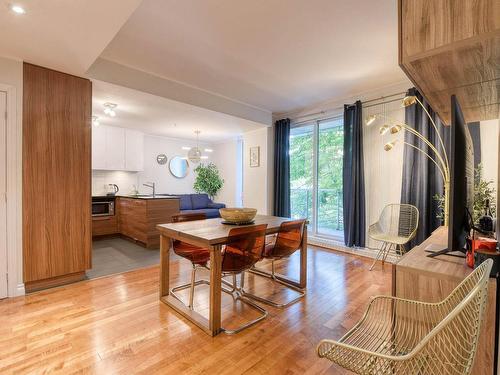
{"x": 138, "y": 218}
{"x": 104, "y": 225}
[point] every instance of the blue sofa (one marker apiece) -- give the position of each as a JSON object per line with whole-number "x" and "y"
{"x": 196, "y": 203}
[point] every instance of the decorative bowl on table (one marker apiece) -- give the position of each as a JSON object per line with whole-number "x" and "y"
{"x": 237, "y": 216}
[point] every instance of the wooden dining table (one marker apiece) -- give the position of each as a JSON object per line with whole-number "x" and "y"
{"x": 212, "y": 234}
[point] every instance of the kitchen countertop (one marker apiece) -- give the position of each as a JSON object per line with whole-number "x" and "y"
{"x": 140, "y": 196}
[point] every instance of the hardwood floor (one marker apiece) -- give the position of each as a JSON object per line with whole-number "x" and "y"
{"x": 116, "y": 324}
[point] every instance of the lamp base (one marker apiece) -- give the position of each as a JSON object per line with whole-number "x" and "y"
{"x": 435, "y": 251}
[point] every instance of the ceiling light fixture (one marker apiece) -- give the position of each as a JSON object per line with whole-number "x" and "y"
{"x": 109, "y": 109}
{"x": 194, "y": 153}
{"x": 95, "y": 121}
{"x": 186, "y": 148}
{"x": 17, "y": 9}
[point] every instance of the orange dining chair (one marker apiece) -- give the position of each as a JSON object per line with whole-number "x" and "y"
{"x": 288, "y": 241}
{"x": 243, "y": 249}
{"x": 198, "y": 256}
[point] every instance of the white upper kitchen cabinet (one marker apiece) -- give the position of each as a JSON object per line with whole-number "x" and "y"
{"x": 134, "y": 150}
{"x": 115, "y": 148}
{"x": 99, "y": 147}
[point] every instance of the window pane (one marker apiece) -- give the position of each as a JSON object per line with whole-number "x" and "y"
{"x": 301, "y": 171}
{"x": 330, "y": 160}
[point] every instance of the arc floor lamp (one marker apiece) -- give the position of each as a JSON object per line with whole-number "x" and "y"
{"x": 439, "y": 158}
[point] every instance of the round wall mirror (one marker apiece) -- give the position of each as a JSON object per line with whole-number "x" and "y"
{"x": 178, "y": 167}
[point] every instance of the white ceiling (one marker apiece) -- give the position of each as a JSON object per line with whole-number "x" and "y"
{"x": 160, "y": 116}
{"x": 67, "y": 35}
{"x": 274, "y": 54}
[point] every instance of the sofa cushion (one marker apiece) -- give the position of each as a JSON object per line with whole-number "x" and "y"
{"x": 216, "y": 205}
{"x": 210, "y": 212}
{"x": 185, "y": 202}
{"x": 200, "y": 201}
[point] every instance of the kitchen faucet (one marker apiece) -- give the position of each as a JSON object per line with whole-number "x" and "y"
{"x": 152, "y": 186}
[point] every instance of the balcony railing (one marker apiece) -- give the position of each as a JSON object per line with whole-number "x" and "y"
{"x": 330, "y": 214}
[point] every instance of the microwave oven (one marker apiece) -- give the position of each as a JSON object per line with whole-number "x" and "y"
{"x": 103, "y": 208}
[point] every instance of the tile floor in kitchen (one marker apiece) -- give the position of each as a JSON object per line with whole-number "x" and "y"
{"x": 116, "y": 255}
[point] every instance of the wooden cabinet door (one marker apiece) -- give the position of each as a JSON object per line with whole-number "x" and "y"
{"x": 115, "y": 148}
{"x": 133, "y": 221}
{"x": 134, "y": 150}
{"x": 99, "y": 147}
{"x": 57, "y": 224}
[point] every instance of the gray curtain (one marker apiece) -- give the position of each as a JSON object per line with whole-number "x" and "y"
{"x": 421, "y": 179}
{"x": 353, "y": 177}
{"x": 282, "y": 168}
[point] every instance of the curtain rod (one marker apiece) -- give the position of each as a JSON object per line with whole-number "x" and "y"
{"x": 323, "y": 112}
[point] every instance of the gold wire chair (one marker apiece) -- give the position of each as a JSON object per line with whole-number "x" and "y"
{"x": 397, "y": 224}
{"x": 398, "y": 336}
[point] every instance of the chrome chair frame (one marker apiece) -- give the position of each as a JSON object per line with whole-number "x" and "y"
{"x": 281, "y": 279}
{"x": 191, "y": 285}
{"x": 236, "y": 292}
{"x": 239, "y": 295}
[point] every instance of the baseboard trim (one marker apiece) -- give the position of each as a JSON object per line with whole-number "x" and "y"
{"x": 20, "y": 291}
{"x": 34, "y": 286}
{"x": 331, "y": 244}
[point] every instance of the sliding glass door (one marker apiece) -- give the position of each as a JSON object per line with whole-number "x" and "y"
{"x": 316, "y": 157}
{"x": 301, "y": 171}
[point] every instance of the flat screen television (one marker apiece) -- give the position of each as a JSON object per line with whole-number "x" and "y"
{"x": 461, "y": 182}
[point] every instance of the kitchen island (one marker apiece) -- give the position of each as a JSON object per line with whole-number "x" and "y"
{"x": 137, "y": 216}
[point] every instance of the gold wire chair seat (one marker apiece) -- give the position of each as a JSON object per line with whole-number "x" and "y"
{"x": 398, "y": 336}
{"x": 396, "y": 226}
{"x": 377, "y": 233}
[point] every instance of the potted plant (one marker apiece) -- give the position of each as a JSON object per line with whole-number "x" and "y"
{"x": 483, "y": 191}
{"x": 208, "y": 180}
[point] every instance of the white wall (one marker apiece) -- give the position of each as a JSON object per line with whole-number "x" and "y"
{"x": 11, "y": 79}
{"x": 228, "y": 156}
{"x": 257, "y": 181}
{"x": 383, "y": 170}
{"x": 489, "y": 131}
{"x": 160, "y": 174}
{"x": 153, "y": 172}
{"x": 124, "y": 180}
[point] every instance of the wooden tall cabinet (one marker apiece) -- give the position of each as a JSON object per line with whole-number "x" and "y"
{"x": 453, "y": 47}
{"x": 57, "y": 222}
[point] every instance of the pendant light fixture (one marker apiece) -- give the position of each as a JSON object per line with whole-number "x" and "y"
{"x": 194, "y": 153}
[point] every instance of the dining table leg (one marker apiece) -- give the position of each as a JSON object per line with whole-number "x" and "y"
{"x": 303, "y": 260}
{"x": 165, "y": 244}
{"x": 214, "y": 319}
